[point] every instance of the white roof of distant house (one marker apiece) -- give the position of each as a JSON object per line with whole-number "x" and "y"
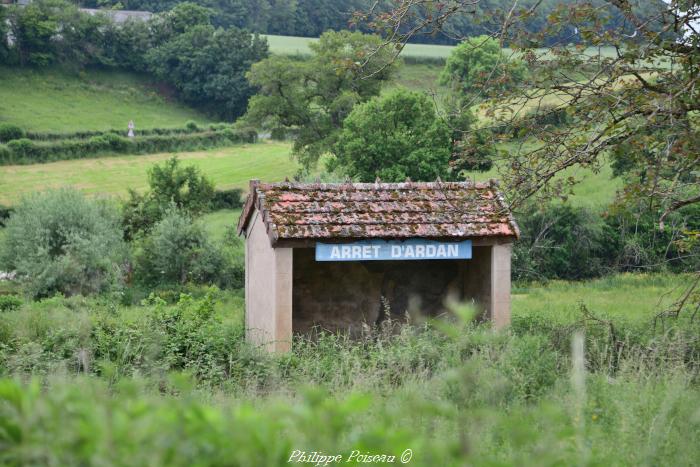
{"x": 120, "y": 16}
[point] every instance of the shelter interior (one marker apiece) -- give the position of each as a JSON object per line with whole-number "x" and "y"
{"x": 345, "y": 296}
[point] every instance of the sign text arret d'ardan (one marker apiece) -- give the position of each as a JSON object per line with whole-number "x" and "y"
{"x": 387, "y": 250}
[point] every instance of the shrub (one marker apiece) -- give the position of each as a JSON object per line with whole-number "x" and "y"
{"x": 185, "y": 188}
{"x": 62, "y": 242}
{"x": 8, "y": 132}
{"x": 10, "y": 302}
{"x": 5, "y": 213}
{"x": 22, "y": 148}
{"x": 191, "y": 125}
{"x": 561, "y": 241}
{"x": 227, "y": 199}
{"x": 177, "y": 251}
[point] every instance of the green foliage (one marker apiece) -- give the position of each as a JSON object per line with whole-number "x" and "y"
{"x": 45, "y": 147}
{"x": 394, "y": 137}
{"x": 560, "y": 241}
{"x": 563, "y": 242}
{"x": 160, "y": 370}
{"x": 5, "y": 213}
{"x": 313, "y": 97}
{"x": 479, "y": 61}
{"x": 227, "y": 199}
{"x": 178, "y": 251}
{"x": 10, "y": 303}
{"x": 208, "y": 66}
{"x": 8, "y": 132}
{"x": 170, "y": 184}
{"x": 61, "y": 242}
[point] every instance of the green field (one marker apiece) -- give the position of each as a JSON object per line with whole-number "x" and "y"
{"x": 292, "y": 45}
{"x": 229, "y": 167}
{"x": 52, "y": 100}
{"x": 219, "y": 223}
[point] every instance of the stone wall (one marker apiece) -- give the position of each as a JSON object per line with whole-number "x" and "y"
{"x": 344, "y": 295}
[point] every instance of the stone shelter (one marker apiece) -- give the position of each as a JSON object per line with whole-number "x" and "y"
{"x": 335, "y": 256}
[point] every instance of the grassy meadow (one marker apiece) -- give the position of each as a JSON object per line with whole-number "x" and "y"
{"x": 230, "y": 167}
{"x": 51, "y": 100}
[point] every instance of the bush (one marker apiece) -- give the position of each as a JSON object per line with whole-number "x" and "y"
{"x": 10, "y": 303}
{"x": 8, "y": 132}
{"x": 561, "y": 241}
{"x": 170, "y": 184}
{"x": 5, "y": 213}
{"x": 62, "y": 242}
{"x": 227, "y": 199}
{"x": 177, "y": 251}
{"x": 22, "y": 148}
{"x": 92, "y": 144}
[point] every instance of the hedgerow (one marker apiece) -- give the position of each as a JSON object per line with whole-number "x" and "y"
{"x": 26, "y": 151}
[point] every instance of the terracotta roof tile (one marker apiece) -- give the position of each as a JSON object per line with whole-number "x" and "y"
{"x": 296, "y": 211}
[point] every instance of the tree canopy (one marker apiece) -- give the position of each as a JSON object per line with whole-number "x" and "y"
{"x": 394, "y": 137}
{"x": 311, "y": 98}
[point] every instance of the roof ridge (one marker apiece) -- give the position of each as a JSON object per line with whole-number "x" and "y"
{"x": 345, "y": 186}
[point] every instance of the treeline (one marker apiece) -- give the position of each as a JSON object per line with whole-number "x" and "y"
{"x": 310, "y": 18}
{"x": 206, "y": 64}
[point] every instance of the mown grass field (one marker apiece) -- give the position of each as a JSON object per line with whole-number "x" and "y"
{"x": 52, "y": 100}
{"x": 231, "y": 167}
{"x": 292, "y": 45}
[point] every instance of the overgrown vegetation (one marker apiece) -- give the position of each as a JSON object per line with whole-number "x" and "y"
{"x": 61, "y": 242}
{"x": 469, "y": 395}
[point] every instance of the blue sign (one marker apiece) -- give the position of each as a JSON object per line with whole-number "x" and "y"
{"x": 388, "y": 250}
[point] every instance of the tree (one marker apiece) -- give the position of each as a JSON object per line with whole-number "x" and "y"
{"x": 312, "y": 98}
{"x": 206, "y": 65}
{"x": 177, "y": 251}
{"x": 478, "y": 61}
{"x": 394, "y": 137}
{"x": 62, "y": 242}
{"x": 170, "y": 184}
{"x": 641, "y": 95}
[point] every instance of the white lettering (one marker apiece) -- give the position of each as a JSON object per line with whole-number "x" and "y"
{"x": 441, "y": 251}
{"x": 453, "y": 250}
{"x": 408, "y": 252}
{"x": 430, "y": 251}
{"x": 420, "y": 251}
{"x": 376, "y": 249}
{"x": 356, "y": 251}
{"x": 366, "y": 251}
{"x": 335, "y": 252}
{"x": 396, "y": 251}
{"x": 345, "y": 251}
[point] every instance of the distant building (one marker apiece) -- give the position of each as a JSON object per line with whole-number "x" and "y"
{"x": 119, "y": 16}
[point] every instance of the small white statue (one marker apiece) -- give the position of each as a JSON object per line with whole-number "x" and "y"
{"x": 131, "y": 129}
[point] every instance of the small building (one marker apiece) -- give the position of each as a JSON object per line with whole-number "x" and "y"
{"x": 335, "y": 256}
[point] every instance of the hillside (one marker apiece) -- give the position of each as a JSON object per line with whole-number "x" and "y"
{"x": 62, "y": 101}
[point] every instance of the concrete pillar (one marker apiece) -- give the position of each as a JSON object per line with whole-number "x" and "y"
{"x": 268, "y": 289}
{"x": 283, "y": 299}
{"x": 499, "y": 309}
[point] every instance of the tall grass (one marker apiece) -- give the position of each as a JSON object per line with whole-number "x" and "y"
{"x": 90, "y": 382}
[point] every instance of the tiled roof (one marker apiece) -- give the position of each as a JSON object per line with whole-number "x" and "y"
{"x": 322, "y": 211}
